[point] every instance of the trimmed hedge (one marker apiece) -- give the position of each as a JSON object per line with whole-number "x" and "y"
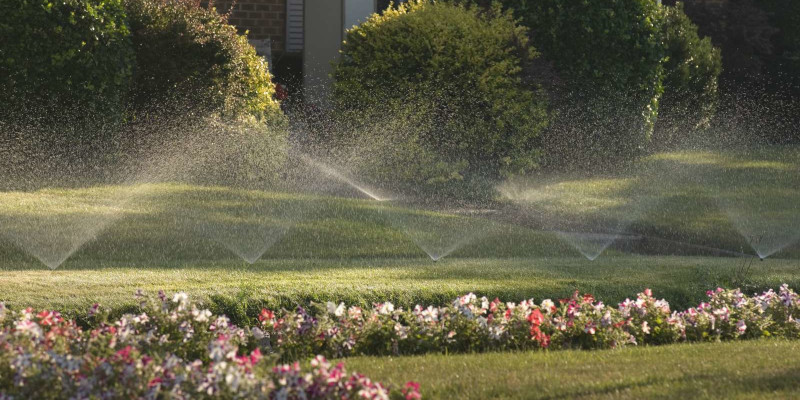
{"x": 692, "y": 69}
{"x": 445, "y": 83}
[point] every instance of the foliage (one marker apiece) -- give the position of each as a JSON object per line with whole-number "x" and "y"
{"x": 758, "y": 37}
{"x": 453, "y": 71}
{"x": 472, "y": 324}
{"x": 63, "y": 61}
{"x": 194, "y": 71}
{"x": 692, "y": 69}
{"x": 174, "y": 346}
{"x": 191, "y": 56}
{"x": 172, "y": 349}
{"x": 608, "y": 53}
{"x": 785, "y": 14}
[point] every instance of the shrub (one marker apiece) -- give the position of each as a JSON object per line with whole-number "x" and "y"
{"x": 608, "y": 54}
{"x": 441, "y": 84}
{"x": 190, "y": 57}
{"x": 63, "y": 60}
{"x": 692, "y": 69}
{"x": 171, "y": 349}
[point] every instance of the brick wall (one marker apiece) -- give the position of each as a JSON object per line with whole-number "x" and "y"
{"x": 262, "y": 18}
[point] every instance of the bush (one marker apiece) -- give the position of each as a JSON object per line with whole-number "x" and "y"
{"x": 95, "y": 81}
{"x": 608, "y": 54}
{"x": 63, "y": 60}
{"x": 190, "y": 57}
{"x": 692, "y": 69}
{"x": 440, "y": 85}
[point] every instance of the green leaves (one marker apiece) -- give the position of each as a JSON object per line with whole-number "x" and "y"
{"x": 455, "y": 71}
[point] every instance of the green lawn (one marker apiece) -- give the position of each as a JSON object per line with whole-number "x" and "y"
{"x": 239, "y": 250}
{"x": 681, "y": 280}
{"x": 744, "y": 370}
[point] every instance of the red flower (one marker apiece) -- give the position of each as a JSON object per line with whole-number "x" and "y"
{"x": 535, "y": 317}
{"x": 154, "y": 382}
{"x": 255, "y": 356}
{"x": 125, "y": 353}
{"x": 266, "y": 317}
{"x": 493, "y": 305}
{"x": 47, "y": 318}
{"x": 588, "y": 298}
{"x": 411, "y": 391}
{"x": 540, "y": 337}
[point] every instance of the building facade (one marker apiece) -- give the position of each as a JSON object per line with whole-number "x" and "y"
{"x": 300, "y": 38}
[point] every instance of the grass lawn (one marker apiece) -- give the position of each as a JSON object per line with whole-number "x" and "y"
{"x": 681, "y": 280}
{"x": 238, "y": 250}
{"x": 742, "y": 370}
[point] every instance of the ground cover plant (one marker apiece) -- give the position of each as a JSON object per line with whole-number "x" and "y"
{"x": 148, "y": 353}
{"x": 173, "y": 349}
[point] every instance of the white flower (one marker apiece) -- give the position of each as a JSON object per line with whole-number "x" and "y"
{"x": 28, "y": 327}
{"x": 386, "y": 308}
{"x": 258, "y": 334}
{"x": 401, "y": 331}
{"x": 336, "y": 310}
{"x": 645, "y": 328}
{"x": 180, "y": 297}
{"x": 201, "y": 315}
{"x": 547, "y": 305}
{"x": 606, "y": 320}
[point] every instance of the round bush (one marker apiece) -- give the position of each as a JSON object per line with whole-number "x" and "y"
{"x": 608, "y": 55}
{"x": 63, "y": 60}
{"x": 189, "y": 57}
{"x": 439, "y": 86}
{"x": 692, "y": 69}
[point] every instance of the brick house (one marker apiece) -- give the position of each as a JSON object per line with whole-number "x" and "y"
{"x": 300, "y": 38}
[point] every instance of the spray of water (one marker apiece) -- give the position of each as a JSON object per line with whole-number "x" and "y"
{"x": 590, "y": 245}
{"x": 439, "y": 233}
{"x": 336, "y": 174}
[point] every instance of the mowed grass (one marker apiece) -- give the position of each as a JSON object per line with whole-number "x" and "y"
{"x": 315, "y": 248}
{"x": 743, "y": 370}
{"x": 285, "y": 283}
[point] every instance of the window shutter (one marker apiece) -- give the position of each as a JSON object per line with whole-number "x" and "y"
{"x": 294, "y": 26}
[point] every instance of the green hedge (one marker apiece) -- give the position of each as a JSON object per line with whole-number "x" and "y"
{"x": 441, "y": 84}
{"x": 91, "y": 82}
{"x": 692, "y": 68}
{"x": 63, "y": 60}
{"x": 608, "y": 54}
{"x": 190, "y": 56}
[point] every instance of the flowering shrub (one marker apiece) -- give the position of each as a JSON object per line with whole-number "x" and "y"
{"x": 173, "y": 350}
{"x": 472, "y": 324}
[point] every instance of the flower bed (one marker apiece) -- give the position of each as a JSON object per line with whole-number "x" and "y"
{"x": 472, "y": 324}
{"x": 173, "y": 348}
{"x": 174, "y": 351}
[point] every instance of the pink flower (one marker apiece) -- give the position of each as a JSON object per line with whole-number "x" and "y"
{"x": 741, "y": 327}
{"x": 411, "y": 391}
